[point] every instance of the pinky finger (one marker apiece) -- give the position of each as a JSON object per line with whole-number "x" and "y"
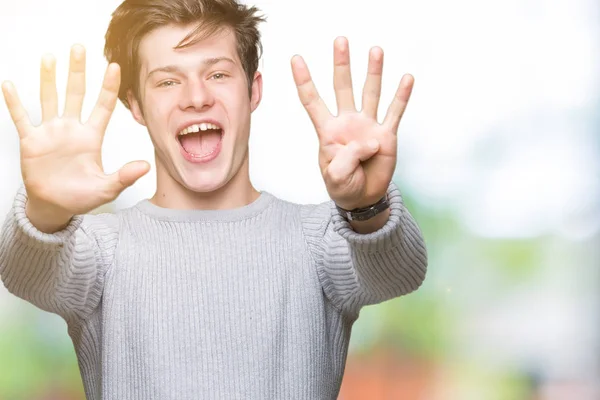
{"x": 16, "y": 109}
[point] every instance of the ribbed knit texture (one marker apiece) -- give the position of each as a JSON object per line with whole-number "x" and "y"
{"x": 251, "y": 303}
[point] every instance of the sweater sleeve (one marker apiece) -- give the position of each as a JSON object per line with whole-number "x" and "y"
{"x": 356, "y": 269}
{"x": 63, "y": 272}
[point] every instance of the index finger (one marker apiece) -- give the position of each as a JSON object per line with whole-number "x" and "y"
{"x": 309, "y": 97}
{"x": 16, "y": 109}
{"x": 107, "y": 100}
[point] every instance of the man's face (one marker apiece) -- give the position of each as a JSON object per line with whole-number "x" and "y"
{"x": 196, "y": 106}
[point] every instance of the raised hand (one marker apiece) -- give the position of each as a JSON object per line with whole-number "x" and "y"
{"x": 357, "y": 154}
{"x": 61, "y": 160}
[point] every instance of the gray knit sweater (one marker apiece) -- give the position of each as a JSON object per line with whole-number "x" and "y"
{"x": 251, "y": 303}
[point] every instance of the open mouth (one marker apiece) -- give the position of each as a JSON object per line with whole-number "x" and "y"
{"x": 201, "y": 140}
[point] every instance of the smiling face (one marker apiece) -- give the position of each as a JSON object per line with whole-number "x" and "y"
{"x": 196, "y": 106}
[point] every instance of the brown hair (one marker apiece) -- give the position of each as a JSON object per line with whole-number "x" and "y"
{"x": 134, "y": 19}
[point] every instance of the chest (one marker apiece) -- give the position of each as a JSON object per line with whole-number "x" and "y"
{"x": 218, "y": 278}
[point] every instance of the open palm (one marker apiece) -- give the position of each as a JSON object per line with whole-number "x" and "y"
{"x": 357, "y": 154}
{"x": 61, "y": 160}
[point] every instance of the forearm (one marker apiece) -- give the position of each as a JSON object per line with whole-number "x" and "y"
{"x": 385, "y": 259}
{"x": 58, "y": 272}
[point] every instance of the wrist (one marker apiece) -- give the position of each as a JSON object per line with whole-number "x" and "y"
{"x": 371, "y": 225}
{"x": 45, "y": 218}
{"x": 366, "y": 212}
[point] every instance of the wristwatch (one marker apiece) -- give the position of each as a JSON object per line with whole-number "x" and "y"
{"x": 365, "y": 213}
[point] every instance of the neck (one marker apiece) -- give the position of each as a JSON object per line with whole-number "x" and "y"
{"x": 237, "y": 192}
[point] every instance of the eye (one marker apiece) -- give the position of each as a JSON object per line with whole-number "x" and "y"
{"x": 218, "y": 76}
{"x": 166, "y": 83}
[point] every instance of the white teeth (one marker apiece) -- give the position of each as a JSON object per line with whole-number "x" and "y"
{"x": 198, "y": 127}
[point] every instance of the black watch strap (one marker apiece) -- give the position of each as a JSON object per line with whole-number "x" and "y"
{"x": 365, "y": 213}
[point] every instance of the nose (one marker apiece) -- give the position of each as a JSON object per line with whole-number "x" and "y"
{"x": 196, "y": 96}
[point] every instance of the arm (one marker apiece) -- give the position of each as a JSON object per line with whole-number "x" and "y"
{"x": 361, "y": 269}
{"x": 62, "y": 272}
{"x": 51, "y": 253}
{"x": 371, "y": 261}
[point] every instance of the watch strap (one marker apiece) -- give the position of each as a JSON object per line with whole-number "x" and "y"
{"x": 365, "y": 213}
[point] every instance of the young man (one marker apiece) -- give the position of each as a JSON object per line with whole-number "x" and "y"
{"x": 211, "y": 288}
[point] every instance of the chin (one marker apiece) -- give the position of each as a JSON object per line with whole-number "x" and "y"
{"x": 204, "y": 186}
{"x": 204, "y": 181}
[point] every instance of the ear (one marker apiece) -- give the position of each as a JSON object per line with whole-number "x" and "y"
{"x": 135, "y": 108}
{"x": 257, "y": 87}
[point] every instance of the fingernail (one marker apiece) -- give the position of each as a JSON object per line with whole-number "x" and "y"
{"x": 48, "y": 61}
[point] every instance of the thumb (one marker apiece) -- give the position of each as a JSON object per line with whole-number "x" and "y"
{"x": 348, "y": 158}
{"x": 128, "y": 175}
{"x": 368, "y": 150}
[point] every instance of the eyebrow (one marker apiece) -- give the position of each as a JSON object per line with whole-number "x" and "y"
{"x": 207, "y": 62}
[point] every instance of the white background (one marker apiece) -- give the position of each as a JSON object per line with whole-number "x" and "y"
{"x": 498, "y": 78}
